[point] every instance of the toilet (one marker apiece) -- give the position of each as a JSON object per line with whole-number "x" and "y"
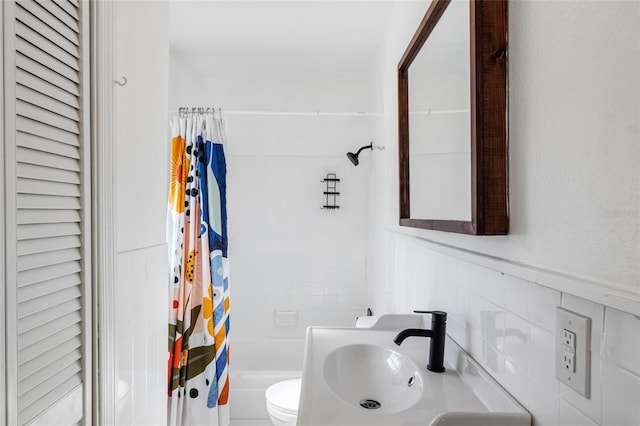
{"x": 282, "y": 402}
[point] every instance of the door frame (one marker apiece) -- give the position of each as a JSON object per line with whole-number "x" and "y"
{"x": 104, "y": 213}
{"x": 3, "y": 353}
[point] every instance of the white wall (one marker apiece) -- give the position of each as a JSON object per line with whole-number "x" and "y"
{"x": 574, "y": 199}
{"x": 142, "y": 56}
{"x": 286, "y": 253}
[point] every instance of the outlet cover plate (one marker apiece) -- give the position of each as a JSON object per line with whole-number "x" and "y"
{"x": 579, "y": 379}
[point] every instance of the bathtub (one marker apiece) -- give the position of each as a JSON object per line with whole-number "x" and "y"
{"x": 256, "y": 364}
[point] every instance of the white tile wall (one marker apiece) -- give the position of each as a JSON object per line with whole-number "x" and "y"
{"x": 569, "y": 416}
{"x": 542, "y": 306}
{"x": 622, "y": 340}
{"x": 507, "y": 324}
{"x": 621, "y": 396}
{"x": 286, "y": 252}
{"x": 141, "y": 336}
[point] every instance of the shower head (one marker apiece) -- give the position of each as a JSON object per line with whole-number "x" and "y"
{"x": 354, "y": 157}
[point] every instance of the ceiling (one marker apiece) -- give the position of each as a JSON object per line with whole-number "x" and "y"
{"x": 279, "y": 36}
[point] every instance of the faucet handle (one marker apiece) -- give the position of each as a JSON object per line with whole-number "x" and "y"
{"x": 438, "y": 317}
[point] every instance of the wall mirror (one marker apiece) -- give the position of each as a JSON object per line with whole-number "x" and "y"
{"x": 452, "y": 109}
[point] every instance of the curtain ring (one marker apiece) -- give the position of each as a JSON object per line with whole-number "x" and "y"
{"x": 124, "y": 83}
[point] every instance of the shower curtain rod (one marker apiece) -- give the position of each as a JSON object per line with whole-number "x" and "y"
{"x": 202, "y": 110}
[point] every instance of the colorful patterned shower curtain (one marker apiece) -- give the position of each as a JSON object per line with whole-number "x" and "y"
{"x": 198, "y": 379}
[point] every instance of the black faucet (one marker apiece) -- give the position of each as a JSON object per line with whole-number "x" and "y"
{"x": 437, "y": 334}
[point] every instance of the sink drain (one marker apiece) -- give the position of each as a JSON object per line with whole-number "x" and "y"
{"x": 370, "y": 404}
{"x": 411, "y": 381}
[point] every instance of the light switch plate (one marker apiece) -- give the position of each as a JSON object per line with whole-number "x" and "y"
{"x": 573, "y": 330}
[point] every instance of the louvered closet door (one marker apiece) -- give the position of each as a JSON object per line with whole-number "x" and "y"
{"x": 47, "y": 183}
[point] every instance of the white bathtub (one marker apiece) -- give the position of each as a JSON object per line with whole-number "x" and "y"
{"x": 256, "y": 364}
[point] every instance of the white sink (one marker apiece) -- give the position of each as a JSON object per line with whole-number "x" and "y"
{"x": 396, "y": 385}
{"x": 346, "y": 366}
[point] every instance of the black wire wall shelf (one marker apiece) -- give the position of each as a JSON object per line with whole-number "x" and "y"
{"x": 331, "y": 193}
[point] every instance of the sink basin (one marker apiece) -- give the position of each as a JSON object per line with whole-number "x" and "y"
{"x": 360, "y": 377}
{"x": 395, "y": 386}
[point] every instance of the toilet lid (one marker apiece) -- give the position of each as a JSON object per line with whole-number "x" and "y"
{"x": 285, "y": 395}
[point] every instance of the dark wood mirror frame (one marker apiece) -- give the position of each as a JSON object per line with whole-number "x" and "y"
{"x": 488, "y": 139}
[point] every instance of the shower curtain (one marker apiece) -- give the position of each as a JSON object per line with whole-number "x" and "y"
{"x": 198, "y": 367}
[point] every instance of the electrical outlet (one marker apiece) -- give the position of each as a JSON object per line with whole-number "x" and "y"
{"x": 568, "y": 351}
{"x": 569, "y": 362}
{"x": 573, "y": 350}
{"x": 569, "y": 338}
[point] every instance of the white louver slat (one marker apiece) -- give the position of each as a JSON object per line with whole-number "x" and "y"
{"x": 53, "y": 119}
{"x": 25, "y": 17}
{"x": 33, "y": 52}
{"x": 51, "y": 272}
{"x": 67, "y": 340}
{"x": 51, "y": 47}
{"x": 59, "y": 13}
{"x": 50, "y": 286}
{"x": 45, "y": 158}
{"x": 33, "y": 317}
{"x": 47, "y": 145}
{"x": 47, "y": 102}
{"x": 50, "y": 384}
{"x": 33, "y": 381}
{"x": 33, "y": 216}
{"x": 33, "y": 186}
{"x": 48, "y": 344}
{"x": 49, "y": 77}
{"x": 47, "y": 173}
{"x": 30, "y": 337}
{"x": 47, "y": 230}
{"x": 31, "y": 411}
{"x": 45, "y": 245}
{"x": 50, "y": 20}
{"x": 40, "y": 129}
{"x": 28, "y": 201}
{"x": 71, "y": 9}
{"x": 49, "y": 80}
{"x": 33, "y": 261}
